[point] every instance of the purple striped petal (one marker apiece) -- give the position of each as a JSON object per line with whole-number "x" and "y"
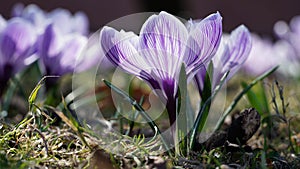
{"x": 239, "y": 46}
{"x": 222, "y": 56}
{"x": 232, "y": 54}
{"x": 203, "y": 41}
{"x": 162, "y": 42}
{"x": 120, "y": 49}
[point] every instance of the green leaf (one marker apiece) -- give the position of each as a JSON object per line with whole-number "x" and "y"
{"x": 206, "y": 95}
{"x": 33, "y": 94}
{"x": 184, "y": 116}
{"x": 257, "y": 98}
{"x": 204, "y": 109}
{"x": 134, "y": 116}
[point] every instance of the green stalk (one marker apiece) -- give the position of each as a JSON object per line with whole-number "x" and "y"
{"x": 203, "y": 113}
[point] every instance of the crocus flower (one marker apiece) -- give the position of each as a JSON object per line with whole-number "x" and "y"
{"x": 17, "y": 46}
{"x": 163, "y": 45}
{"x": 58, "y": 52}
{"x": 61, "y": 18}
{"x": 232, "y": 53}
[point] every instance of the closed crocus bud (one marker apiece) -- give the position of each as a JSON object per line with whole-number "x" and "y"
{"x": 17, "y": 46}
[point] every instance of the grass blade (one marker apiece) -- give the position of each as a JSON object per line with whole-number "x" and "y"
{"x": 33, "y": 94}
{"x": 183, "y": 115}
{"x": 140, "y": 109}
{"x": 257, "y": 98}
{"x": 238, "y": 97}
{"x": 134, "y": 116}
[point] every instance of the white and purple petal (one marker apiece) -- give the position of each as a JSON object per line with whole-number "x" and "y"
{"x": 239, "y": 46}
{"x": 204, "y": 39}
{"x": 120, "y": 50}
{"x": 162, "y": 43}
{"x": 235, "y": 51}
{"x": 232, "y": 53}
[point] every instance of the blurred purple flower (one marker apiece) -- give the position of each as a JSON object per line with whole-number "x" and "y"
{"x": 61, "y": 18}
{"x": 261, "y": 56}
{"x": 17, "y": 46}
{"x": 69, "y": 23}
{"x": 266, "y": 54}
{"x": 290, "y": 33}
{"x": 164, "y": 43}
{"x": 61, "y": 39}
{"x": 231, "y": 55}
{"x": 31, "y": 13}
{"x": 58, "y": 52}
{"x": 289, "y": 45}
